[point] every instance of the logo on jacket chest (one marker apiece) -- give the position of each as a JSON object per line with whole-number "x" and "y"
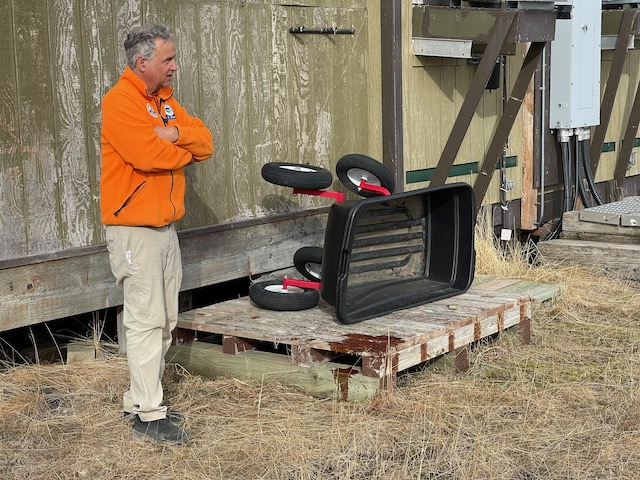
{"x": 151, "y": 111}
{"x": 168, "y": 113}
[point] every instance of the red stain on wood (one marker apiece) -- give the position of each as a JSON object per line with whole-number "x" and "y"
{"x": 341, "y": 377}
{"x": 357, "y": 343}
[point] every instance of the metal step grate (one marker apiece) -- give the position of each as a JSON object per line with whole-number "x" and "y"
{"x": 625, "y": 213}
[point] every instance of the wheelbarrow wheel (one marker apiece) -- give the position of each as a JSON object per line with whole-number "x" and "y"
{"x": 272, "y": 295}
{"x": 354, "y": 167}
{"x": 297, "y": 175}
{"x": 308, "y": 261}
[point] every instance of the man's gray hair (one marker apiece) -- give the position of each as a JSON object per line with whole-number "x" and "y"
{"x": 141, "y": 42}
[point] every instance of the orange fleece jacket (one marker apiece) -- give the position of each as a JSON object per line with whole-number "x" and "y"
{"x": 142, "y": 181}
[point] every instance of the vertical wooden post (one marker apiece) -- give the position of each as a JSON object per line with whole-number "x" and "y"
{"x": 462, "y": 358}
{"x": 525, "y": 330}
{"x": 391, "y": 59}
{"x": 528, "y": 206}
{"x": 122, "y": 344}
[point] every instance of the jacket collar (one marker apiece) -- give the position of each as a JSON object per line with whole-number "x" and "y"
{"x": 165, "y": 93}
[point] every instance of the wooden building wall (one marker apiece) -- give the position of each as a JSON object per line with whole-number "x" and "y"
{"x": 621, "y": 110}
{"x": 266, "y": 94}
{"x": 435, "y": 88}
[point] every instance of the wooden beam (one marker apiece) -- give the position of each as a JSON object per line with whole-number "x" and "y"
{"x": 485, "y": 172}
{"x": 462, "y": 355}
{"x": 391, "y": 77}
{"x": 232, "y": 345}
{"x": 322, "y": 380}
{"x": 529, "y": 198}
{"x": 461, "y": 125}
{"x": 616, "y": 259}
{"x": 525, "y": 330}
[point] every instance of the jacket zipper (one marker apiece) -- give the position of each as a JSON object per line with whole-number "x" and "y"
{"x": 126, "y": 202}
{"x": 165, "y": 122}
{"x": 170, "y": 197}
{"x": 163, "y": 117}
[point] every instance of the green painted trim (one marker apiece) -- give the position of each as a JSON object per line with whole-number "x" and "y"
{"x": 425, "y": 175}
{"x": 511, "y": 161}
{"x": 608, "y": 147}
{"x": 636, "y": 142}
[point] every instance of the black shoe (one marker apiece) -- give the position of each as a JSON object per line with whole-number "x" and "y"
{"x": 175, "y": 417}
{"x": 159, "y": 431}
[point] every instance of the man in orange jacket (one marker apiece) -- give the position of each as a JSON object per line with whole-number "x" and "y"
{"x": 147, "y": 140}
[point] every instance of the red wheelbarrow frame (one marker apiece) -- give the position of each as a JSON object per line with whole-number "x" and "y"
{"x": 339, "y": 197}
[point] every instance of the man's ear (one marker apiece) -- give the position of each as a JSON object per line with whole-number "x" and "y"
{"x": 141, "y": 63}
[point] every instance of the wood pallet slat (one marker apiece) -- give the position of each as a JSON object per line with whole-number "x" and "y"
{"x": 384, "y": 346}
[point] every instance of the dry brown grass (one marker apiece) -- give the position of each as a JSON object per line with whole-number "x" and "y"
{"x": 564, "y": 407}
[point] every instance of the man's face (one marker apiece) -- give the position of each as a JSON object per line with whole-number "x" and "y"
{"x": 158, "y": 71}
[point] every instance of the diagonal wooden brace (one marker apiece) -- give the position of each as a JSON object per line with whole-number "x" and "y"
{"x": 473, "y": 96}
{"x": 485, "y": 172}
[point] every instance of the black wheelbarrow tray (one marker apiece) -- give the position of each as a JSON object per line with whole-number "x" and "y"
{"x": 383, "y": 254}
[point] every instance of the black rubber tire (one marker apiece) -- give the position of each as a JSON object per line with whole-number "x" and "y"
{"x": 308, "y": 261}
{"x": 297, "y": 175}
{"x": 354, "y": 167}
{"x": 270, "y": 295}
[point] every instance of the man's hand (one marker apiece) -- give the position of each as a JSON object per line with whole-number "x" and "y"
{"x": 168, "y": 133}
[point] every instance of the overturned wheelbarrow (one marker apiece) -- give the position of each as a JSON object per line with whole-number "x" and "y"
{"x": 383, "y": 253}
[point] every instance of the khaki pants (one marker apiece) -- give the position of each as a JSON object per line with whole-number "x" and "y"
{"x": 146, "y": 262}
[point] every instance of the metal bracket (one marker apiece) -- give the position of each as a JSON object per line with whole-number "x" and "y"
{"x": 322, "y": 30}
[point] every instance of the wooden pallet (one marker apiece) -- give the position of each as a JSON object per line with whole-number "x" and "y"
{"x": 316, "y": 345}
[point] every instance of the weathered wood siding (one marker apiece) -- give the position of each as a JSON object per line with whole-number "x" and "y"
{"x": 434, "y": 89}
{"x": 621, "y": 110}
{"x": 266, "y": 95}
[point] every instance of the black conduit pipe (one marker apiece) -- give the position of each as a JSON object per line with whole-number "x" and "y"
{"x": 584, "y": 194}
{"x": 566, "y": 174}
{"x": 586, "y": 162}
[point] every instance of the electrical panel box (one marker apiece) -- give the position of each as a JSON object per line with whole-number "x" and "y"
{"x": 575, "y": 67}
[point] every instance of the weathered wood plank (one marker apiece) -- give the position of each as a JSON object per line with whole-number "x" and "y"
{"x": 98, "y": 40}
{"x": 70, "y": 285}
{"x": 528, "y": 205}
{"x": 236, "y": 91}
{"x": 300, "y": 94}
{"x": 77, "y": 190}
{"x": 41, "y": 168}
{"x": 282, "y": 114}
{"x": 209, "y": 199}
{"x": 349, "y": 89}
{"x": 13, "y": 212}
{"x": 574, "y": 228}
{"x": 320, "y": 380}
{"x": 318, "y": 328}
{"x": 616, "y": 259}
{"x": 260, "y": 105}
{"x": 537, "y": 291}
{"x": 325, "y": 62}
